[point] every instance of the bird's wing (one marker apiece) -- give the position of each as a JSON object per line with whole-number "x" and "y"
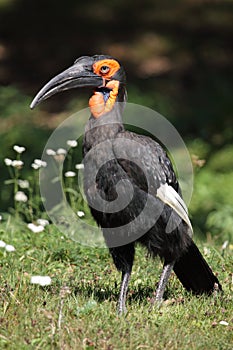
{"x": 148, "y": 166}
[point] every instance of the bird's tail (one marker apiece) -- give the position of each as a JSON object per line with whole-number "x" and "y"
{"x": 194, "y": 272}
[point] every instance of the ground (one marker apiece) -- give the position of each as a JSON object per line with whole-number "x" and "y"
{"x": 78, "y": 309}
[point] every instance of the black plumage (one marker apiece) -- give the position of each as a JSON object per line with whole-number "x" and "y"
{"x": 131, "y": 166}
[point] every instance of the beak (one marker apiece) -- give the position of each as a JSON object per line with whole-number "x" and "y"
{"x": 78, "y": 75}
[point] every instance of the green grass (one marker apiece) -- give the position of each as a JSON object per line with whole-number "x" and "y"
{"x": 78, "y": 309}
{"x": 29, "y": 314}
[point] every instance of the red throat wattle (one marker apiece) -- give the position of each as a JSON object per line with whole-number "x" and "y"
{"x": 97, "y": 104}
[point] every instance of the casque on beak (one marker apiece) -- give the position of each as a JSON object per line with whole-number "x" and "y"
{"x": 78, "y": 75}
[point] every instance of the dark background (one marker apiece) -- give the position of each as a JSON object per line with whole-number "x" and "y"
{"x": 178, "y": 57}
{"x": 180, "y": 51}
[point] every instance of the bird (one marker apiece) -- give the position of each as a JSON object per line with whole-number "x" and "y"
{"x": 134, "y": 194}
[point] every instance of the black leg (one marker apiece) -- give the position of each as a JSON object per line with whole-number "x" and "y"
{"x": 123, "y": 257}
{"x": 122, "y": 297}
{"x": 167, "y": 270}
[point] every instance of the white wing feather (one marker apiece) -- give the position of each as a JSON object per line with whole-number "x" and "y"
{"x": 169, "y": 196}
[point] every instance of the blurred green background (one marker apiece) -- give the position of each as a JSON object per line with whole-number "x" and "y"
{"x": 178, "y": 58}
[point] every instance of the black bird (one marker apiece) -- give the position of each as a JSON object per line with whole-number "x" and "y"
{"x": 126, "y": 165}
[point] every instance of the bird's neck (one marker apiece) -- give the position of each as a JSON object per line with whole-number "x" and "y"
{"x": 104, "y": 128}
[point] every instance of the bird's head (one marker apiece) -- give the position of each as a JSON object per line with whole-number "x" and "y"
{"x": 103, "y": 74}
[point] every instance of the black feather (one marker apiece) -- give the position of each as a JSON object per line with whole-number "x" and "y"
{"x": 194, "y": 272}
{"x": 116, "y": 160}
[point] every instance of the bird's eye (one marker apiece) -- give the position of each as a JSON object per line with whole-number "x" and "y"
{"x": 104, "y": 69}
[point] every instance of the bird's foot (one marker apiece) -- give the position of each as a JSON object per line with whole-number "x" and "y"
{"x": 156, "y": 302}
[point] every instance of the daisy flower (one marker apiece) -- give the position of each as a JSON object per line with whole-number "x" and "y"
{"x": 19, "y": 149}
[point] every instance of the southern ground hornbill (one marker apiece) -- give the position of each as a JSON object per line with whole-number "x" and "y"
{"x": 122, "y": 160}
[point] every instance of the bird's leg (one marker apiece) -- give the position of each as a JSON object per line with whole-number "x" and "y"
{"x": 122, "y": 297}
{"x": 167, "y": 270}
{"x": 123, "y": 257}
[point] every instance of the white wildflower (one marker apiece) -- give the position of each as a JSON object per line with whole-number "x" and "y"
{"x": 50, "y": 152}
{"x": 8, "y": 161}
{"x": 20, "y": 196}
{"x": 35, "y": 166}
{"x": 70, "y": 174}
{"x": 206, "y": 251}
{"x": 42, "y": 222}
{"x": 35, "y": 228}
{"x": 40, "y": 163}
{"x": 17, "y": 163}
{"x": 224, "y": 323}
{"x": 0, "y": 217}
{"x": 80, "y": 213}
{"x": 2, "y": 244}
{"x": 72, "y": 143}
{"x": 23, "y": 183}
{"x": 61, "y": 151}
{"x": 60, "y": 155}
{"x": 41, "y": 280}
{"x": 79, "y": 166}
{"x": 225, "y": 244}
{"x": 19, "y": 149}
{"x": 9, "y": 248}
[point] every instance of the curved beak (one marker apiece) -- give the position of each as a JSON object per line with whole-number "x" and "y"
{"x": 78, "y": 75}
